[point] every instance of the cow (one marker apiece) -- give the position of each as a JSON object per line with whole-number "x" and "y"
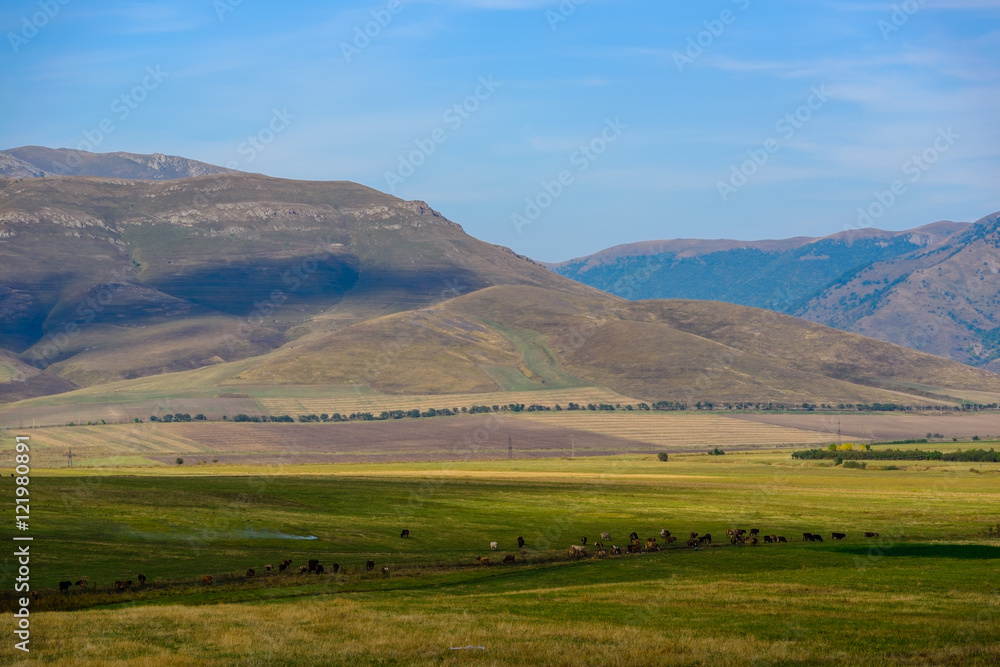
{"x": 817, "y": 538}
{"x": 601, "y": 553}
{"x": 141, "y": 577}
{"x": 605, "y": 536}
{"x": 739, "y": 531}
{"x": 774, "y": 538}
{"x": 671, "y": 538}
{"x": 839, "y": 536}
{"x": 807, "y": 537}
{"x": 870, "y": 534}
{"x": 405, "y": 533}
{"x": 82, "y": 583}
{"x": 282, "y": 566}
{"x": 303, "y": 569}
{"x": 370, "y": 565}
{"x": 633, "y": 536}
{"x": 494, "y": 546}
{"x": 520, "y": 542}
{"x": 286, "y": 562}
{"x": 755, "y": 531}
{"x": 730, "y": 532}
{"x": 692, "y": 542}
{"x": 694, "y": 536}
{"x": 664, "y": 532}
{"x": 320, "y": 569}
{"x": 576, "y": 551}
{"x": 634, "y": 549}
{"x": 753, "y": 541}
{"x": 336, "y": 568}
{"x": 707, "y": 537}
{"x": 583, "y": 540}
{"x": 64, "y": 586}
{"x": 483, "y": 560}
{"x": 313, "y": 564}
{"x": 34, "y": 595}
{"x": 598, "y": 545}
{"x": 509, "y": 558}
{"x": 269, "y": 568}
{"x": 767, "y": 539}
{"x": 250, "y": 572}
{"x": 385, "y": 570}
{"x": 616, "y": 551}
{"x": 651, "y": 544}
{"x": 207, "y": 579}
{"x": 781, "y": 538}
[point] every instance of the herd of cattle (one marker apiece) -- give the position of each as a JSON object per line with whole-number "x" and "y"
{"x": 737, "y": 537}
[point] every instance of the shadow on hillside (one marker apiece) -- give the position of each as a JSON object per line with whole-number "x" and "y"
{"x": 958, "y": 551}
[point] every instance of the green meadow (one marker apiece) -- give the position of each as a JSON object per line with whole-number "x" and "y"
{"x": 926, "y": 591}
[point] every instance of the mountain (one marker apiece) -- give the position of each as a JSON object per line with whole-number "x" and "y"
{"x": 104, "y": 279}
{"x": 943, "y": 299}
{"x": 39, "y": 162}
{"x": 776, "y": 274}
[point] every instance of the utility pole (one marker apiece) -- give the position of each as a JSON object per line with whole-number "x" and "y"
{"x": 69, "y": 457}
{"x": 839, "y": 443}
{"x": 510, "y": 449}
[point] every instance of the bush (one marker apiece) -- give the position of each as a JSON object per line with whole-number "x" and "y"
{"x": 662, "y": 456}
{"x": 855, "y": 464}
{"x": 716, "y": 452}
{"x": 180, "y": 461}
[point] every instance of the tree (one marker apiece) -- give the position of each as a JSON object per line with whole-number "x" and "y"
{"x": 180, "y": 461}
{"x": 662, "y": 456}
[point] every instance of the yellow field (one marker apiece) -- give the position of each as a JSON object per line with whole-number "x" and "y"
{"x": 679, "y": 430}
{"x": 376, "y": 403}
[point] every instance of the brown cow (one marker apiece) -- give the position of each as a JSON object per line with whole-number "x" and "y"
{"x": 651, "y": 544}
{"x": 671, "y": 538}
{"x": 774, "y": 538}
{"x": 483, "y": 560}
{"x": 692, "y": 542}
{"x": 385, "y": 570}
{"x": 633, "y": 536}
{"x": 142, "y": 579}
{"x": 577, "y": 551}
{"x": 870, "y": 534}
{"x": 509, "y": 558}
{"x": 598, "y": 545}
{"x": 634, "y": 549}
{"x": 269, "y": 568}
{"x": 207, "y": 579}
{"x": 82, "y": 583}
{"x": 370, "y": 565}
{"x": 694, "y": 536}
{"x": 250, "y": 572}
{"x": 707, "y": 537}
{"x": 753, "y": 541}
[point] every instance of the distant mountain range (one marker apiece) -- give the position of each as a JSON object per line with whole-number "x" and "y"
{"x": 275, "y": 282}
{"x": 935, "y": 288}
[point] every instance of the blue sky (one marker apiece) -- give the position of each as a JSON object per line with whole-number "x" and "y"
{"x": 580, "y": 125}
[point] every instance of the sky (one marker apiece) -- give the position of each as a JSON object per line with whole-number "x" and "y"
{"x": 554, "y": 128}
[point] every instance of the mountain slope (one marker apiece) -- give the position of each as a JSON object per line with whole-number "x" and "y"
{"x": 102, "y": 279}
{"x": 944, "y": 299}
{"x": 38, "y": 162}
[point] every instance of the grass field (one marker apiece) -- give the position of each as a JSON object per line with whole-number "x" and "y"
{"x": 924, "y": 592}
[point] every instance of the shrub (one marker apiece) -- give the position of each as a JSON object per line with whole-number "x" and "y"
{"x": 180, "y": 461}
{"x": 716, "y": 452}
{"x": 855, "y": 464}
{"x": 662, "y": 456}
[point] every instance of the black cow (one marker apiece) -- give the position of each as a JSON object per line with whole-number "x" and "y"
{"x": 633, "y": 536}
{"x": 520, "y": 542}
{"x": 839, "y": 536}
{"x": 807, "y": 537}
{"x": 142, "y": 579}
{"x": 319, "y": 569}
{"x": 405, "y": 533}
{"x": 64, "y": 586}
{"x": 370, "y": 565}
{"x": 755, "y": 531}
{"x": 509, "y": 558}
{"x": 583, "y": 540}
{"x": 336, "y": 568}
{"x": 870, "y": 534}
{"x": 313, "y": 564}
